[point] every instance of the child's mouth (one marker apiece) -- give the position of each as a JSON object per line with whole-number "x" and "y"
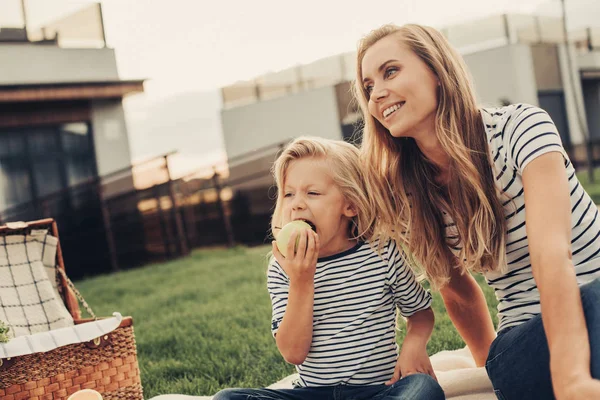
{"x": 312, "y": 225}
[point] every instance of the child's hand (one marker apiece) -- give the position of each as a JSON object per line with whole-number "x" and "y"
{"x": 412, "y": 360}
{"x": 300, "y": 266}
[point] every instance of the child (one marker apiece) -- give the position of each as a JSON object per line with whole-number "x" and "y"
{"x": 334, "y": 299}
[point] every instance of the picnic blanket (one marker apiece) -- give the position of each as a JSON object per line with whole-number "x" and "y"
{"x": 42, "y": 342}
{"x": 29, "y": 298}
{"x": 455, "y": 370}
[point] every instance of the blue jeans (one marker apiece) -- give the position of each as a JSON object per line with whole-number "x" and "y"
{"x": 413, "y": 387}
{"x": 518, "y": 363}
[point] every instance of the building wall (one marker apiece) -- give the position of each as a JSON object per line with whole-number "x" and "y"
{"x": 254, "y": 126}
{"x": 28, "y": 63}
{"x": 573, "y": 94}
{"x": 505, "y": 72}
{"x": 591, "y": 91}
{"x": 547, "y": 67}
{"x": 111, "y": 145}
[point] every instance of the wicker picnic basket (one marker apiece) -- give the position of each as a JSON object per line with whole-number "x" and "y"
{"x": 107, "y": 364}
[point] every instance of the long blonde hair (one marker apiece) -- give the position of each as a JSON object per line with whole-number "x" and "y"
{"x": 402, "y": 180}
{"x": 346, "y": 171}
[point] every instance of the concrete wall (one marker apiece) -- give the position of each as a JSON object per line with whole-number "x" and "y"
{"x": 505, "y": 72}
{"x": 110, "y": 136}
{"x": 589, "y": 60}
{"x": 573, "y": 94}
{"x": 111, "y": 144}
{"x": 266, "y": 123}
{"x": 28, "y": 63}
{"x": 547, "y": 67}
{"x": 591, "y": 91}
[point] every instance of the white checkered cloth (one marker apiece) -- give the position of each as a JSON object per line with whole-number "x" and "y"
{"x": 29, "y": 300}
{"x": 46, "y": 341}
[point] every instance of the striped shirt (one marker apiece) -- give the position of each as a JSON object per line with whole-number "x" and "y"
{"x": 354, "y": 314}
{"x": 517, "y": 134}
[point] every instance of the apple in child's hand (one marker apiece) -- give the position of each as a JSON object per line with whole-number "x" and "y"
{"x": 283, "y": 237}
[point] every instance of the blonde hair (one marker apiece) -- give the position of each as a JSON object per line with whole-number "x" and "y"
{"x": 402, "y": 181}
{"x": 346, "y": 171}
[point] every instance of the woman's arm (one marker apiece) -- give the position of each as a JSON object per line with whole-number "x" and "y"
{"x": 548, "y": 225}
{"x": 469, "y": 313}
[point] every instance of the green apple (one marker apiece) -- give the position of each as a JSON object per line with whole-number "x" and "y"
{"x": 283, "y": 237}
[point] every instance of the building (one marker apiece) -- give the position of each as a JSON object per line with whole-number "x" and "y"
{"x": 513, "y": 58}
{"x": 64, "y": 148}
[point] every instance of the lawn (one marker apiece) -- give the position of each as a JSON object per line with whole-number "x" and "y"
{"x": 202, "y": 323}
{"x": 593, "y": 189}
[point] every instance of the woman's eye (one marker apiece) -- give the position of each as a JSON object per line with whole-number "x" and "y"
{"x": 390, "y": 71}
{"x": 368, "y": 89}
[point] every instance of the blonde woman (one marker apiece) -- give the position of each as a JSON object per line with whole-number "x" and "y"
{"x": 489, "y": 190}
{"x": 334, "y": 299}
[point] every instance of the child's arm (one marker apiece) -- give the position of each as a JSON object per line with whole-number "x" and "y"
{"x": 413, "y": 357}
{"x": 294, "y": 335}
{"x": 414, "y": 303}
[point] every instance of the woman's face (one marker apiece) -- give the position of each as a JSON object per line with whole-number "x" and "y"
{"x": 401, "y": 89}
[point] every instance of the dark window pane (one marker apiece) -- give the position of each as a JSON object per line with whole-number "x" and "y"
{"x": 47, "y": 177}
{"x": 12, "y": 143}
{"x": 43, "y": 142}
{"x": 15, "y": 184}
{"x": 75, "y": 138}
{"x": 77, "y": 150}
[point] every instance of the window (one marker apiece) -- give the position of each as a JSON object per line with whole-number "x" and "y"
{"x": 40, "y": 161}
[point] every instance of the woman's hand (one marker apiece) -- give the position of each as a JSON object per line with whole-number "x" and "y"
{"x": 413, "y": 359}
{"x": 300, "y": 266}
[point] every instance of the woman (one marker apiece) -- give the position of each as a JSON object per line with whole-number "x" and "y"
{"x": 452, "y": 183}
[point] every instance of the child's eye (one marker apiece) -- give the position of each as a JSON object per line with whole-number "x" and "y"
{"x": 313, "y": 193}
{"x": 287, "y": 195}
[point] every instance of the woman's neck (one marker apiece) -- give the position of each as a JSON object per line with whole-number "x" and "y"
{"x": 432, "y": 149}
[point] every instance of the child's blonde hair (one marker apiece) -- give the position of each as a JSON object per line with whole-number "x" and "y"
{"x": 346, "y": 171}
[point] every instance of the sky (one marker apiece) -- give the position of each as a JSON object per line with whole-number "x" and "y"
{"x": 188, "y": 49}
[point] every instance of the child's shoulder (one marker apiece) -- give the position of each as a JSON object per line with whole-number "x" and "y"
{"x": 388, "y": 248}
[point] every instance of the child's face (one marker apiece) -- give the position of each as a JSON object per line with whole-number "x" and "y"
{"x": 311, "y": 194}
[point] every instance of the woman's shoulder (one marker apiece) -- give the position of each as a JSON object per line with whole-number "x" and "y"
{"x": 508, "y": 113}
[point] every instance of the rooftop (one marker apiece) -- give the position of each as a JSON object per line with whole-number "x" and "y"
{"x": 67, "y": 25}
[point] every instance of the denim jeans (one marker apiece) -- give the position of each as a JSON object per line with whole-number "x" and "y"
{"x": 518, "y": 363}
{"x": 413, "y": 387}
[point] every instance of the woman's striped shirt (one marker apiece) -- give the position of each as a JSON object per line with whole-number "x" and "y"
{"x": 518, "y": 134}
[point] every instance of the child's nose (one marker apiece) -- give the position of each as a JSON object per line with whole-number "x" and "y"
{"x": 298, "y": 203}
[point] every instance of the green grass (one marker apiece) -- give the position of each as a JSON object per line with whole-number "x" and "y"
{"x": 593, "y": 189}
{"x": 202, "y": 323}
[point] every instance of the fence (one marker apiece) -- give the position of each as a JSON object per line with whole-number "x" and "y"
{"x": 163, "y": 221}
{"x": 169, "y": 217}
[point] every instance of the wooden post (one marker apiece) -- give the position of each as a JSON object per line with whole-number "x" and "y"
{"x": 108, "y": 232}
{"x": 180, "y": 232}
{"x": 224, "y": 215}
{"x": 161, "y": 219}
{"x": 189, "y": 219}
